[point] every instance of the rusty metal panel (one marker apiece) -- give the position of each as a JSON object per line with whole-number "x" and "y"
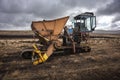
{"x": 60, "y": 23}
{"x": 49, "y": 29}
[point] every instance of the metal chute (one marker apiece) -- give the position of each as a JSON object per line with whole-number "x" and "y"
{"x": 49, "y": 29}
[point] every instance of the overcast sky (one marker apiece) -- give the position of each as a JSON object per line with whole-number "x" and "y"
{"x": 18, "y": 14}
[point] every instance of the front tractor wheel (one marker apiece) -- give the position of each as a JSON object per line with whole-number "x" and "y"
{"x": 27, "y": 54}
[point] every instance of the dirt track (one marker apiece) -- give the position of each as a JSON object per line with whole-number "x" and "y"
{"x": 102, "y": 63}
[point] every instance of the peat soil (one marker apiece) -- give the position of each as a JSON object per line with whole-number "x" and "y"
{"x": 102, "y": 63}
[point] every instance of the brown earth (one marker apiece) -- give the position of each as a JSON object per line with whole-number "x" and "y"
{"x": 102, "y": 63}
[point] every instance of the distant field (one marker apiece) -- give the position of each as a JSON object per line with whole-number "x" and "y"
{"x": 16, "y": 34}
{"x": 30, "y": 34}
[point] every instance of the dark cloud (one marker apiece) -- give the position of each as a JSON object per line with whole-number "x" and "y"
{"x": 44, "y": 8}
{"x": 110, "y": 9}
{"x": 115, "y": 26}
{"x": 116, "y": 19}
{"x": 20, "y": 13}
{"x": 83, "y": 3}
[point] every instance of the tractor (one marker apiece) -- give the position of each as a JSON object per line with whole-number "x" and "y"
{"x": 54, "y": 36}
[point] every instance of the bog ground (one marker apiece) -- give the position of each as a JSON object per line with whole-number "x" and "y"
{"x": 102, "y": 63}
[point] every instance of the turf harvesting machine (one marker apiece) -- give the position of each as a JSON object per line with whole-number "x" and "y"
{"x": 54, "y": 36}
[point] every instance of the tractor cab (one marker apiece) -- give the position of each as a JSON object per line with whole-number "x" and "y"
{"x": 85, "y": 22}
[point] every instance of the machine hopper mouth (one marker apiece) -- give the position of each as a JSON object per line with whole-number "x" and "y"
{"x": 49, "y": 29}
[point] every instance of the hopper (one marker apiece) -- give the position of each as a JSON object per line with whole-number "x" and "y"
{"x": 49, "y": 29}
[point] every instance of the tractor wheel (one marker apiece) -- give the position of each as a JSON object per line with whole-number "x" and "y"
{"x": 27, "y": 54}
